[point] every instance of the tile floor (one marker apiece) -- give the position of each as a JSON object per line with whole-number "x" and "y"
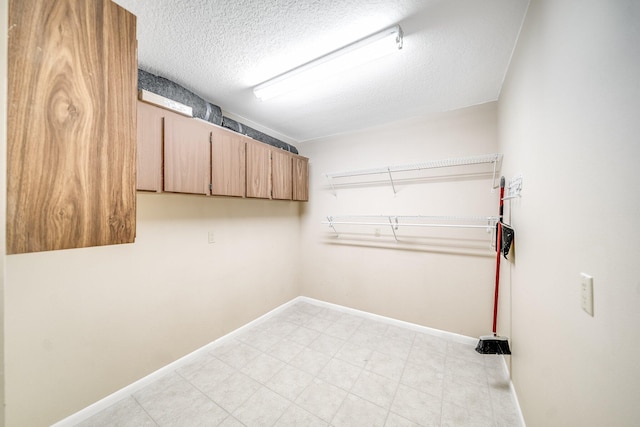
{"x": 311, "y": 365}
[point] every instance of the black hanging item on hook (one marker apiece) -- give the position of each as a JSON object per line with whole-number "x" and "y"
{"x": 494, "y": 344}
{"x": 508, "y": 235}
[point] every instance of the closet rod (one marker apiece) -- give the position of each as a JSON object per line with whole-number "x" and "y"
{"x": 458, "y": 161}
{"x": 402, "y": 224}
{"x": 493, "y": 158}
{"x": 395, "y": 222}
{"x": 413, "y": 221}
{"x": 416, "y": 218}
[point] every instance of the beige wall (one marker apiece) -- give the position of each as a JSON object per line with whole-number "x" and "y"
{"x": 445, "y": 279}
{"x": 83, "y": 323}
{"x": 569, "y": 122}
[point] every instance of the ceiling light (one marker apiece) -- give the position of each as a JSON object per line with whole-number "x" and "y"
{"x": 373, "y": 47}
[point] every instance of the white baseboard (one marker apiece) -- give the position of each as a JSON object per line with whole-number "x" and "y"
{"x": 513, "y": 392}
{"x": 127, "y": 391}
{"x": 463, "y": 339}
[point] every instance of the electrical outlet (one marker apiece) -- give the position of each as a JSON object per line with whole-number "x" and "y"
{"x": 587, "y": 293}
{"x": 212, "y": 237}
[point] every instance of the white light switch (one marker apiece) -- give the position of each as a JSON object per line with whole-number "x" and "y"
{"x": 212, "y": 237}
{"x": 587, "y": 293}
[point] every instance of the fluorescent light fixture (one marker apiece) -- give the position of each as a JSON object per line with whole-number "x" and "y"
{"x": 360, "y": 52}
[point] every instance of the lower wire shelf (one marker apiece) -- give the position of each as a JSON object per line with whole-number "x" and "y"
{"x": 395, "y": 222}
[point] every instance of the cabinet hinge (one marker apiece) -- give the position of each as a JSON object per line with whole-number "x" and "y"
{"x": 210, "y": 187}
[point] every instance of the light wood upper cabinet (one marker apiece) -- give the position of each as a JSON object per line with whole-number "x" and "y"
{"x": 281, "y": 185}
{"x": 258, "y": 170}
{"x": 187, "y": 155}
{"x": 184, "y": 155}
{"x": 228, "y": 163}
{"x": 276, "y": 174}
{"x": 150, "y": 136}
{"x": 300, "y": 178}
{"x": 71, "y": 125}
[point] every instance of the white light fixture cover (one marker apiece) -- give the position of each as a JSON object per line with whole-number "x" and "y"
{"x": 373, "y": 47}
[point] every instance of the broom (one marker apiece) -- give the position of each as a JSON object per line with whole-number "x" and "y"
{"x": 494, "y": 344}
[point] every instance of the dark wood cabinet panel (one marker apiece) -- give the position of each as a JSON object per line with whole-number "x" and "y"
{"x": 71, "y": 146}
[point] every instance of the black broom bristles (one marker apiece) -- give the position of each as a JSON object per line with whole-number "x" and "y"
{"x": 493, "y": 344}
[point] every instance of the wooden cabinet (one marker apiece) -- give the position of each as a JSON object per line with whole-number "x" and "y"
{"x": 150, "y": 142}
{"x": 258, "y": 170}
{"x": 228, "y": 163}
{"x": 281, "y": 185}
{"x": 289, "y": 176}
{"x": 71, "y": 125}
{"x": 276, "y": 174}
{"x": 300, "y": 178}
{"x": 186, "y": 155}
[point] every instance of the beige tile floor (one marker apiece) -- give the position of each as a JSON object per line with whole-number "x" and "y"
{"x": 312, "y": 365}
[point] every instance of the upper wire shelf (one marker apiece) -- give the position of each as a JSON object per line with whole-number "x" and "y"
{"x": 494, "y": 158}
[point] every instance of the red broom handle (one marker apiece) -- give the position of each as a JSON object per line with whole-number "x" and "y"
{"x": 495, "y": 298}
{"x": 498, "y": 252}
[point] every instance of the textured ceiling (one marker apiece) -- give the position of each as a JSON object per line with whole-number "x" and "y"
{"x": 455, "y": 54}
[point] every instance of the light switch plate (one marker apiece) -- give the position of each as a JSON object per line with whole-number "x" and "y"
{"x": 587, "y": 293}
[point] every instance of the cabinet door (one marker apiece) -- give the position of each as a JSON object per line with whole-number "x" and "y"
{"x": 281, "y": 186}
{"x": 71, "y": 125}
{"x": 258, "y": 170}
{"x": 300, "y": 179}
{"x": 186, "y": 155}
{"x": 228, "y": 163}
{"x": 150, "y": 125}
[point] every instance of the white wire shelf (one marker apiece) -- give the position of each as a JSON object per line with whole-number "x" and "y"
{"x": 396, "y": 221}
{"x": 493, "y": 158}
